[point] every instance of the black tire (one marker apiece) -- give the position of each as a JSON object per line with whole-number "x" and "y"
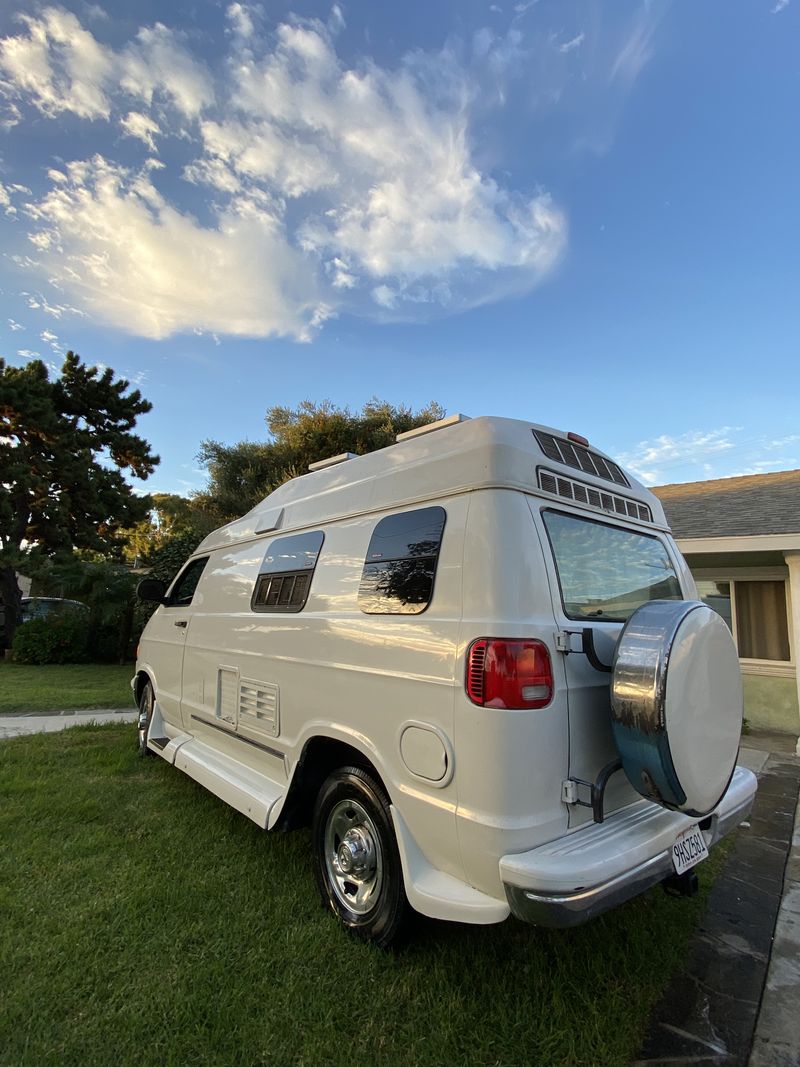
{"x": 353, "y": 825}
{"x": 147, "y": 702}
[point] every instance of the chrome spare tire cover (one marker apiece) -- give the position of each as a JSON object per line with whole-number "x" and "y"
{"x": 676, "y": 699}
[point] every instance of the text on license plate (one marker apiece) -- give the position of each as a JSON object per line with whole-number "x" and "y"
{"x": 689, "y": 849}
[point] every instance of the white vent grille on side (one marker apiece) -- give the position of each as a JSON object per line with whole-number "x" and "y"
{"x": 259, "y": 706}
{"x": 587, "y": 494}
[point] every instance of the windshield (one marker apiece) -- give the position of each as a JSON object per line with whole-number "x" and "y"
{"x": 606, "y": 572}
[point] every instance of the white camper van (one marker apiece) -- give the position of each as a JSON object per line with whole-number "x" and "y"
{"x": 474, "y": 662}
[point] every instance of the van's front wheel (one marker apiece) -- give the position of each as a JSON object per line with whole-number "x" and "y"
{"x": 356, "y": 860}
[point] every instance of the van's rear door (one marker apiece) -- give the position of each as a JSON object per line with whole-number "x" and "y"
{"x": 600, "y": 571}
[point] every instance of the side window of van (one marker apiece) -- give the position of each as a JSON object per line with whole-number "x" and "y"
{"x": 183, "y": 590}
{"x": 284, "y": 577}
{"x": 401, "y": 563}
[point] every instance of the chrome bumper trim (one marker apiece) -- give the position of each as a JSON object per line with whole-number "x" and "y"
{"x": 572, "y": 909}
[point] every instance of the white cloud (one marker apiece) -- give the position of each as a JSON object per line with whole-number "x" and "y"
{"x": 384, "y": 296}
{"x": 133, "y": 260}
{"x": 158, "y": 62}
{"x": 10, "y": 115}
{"x": 15, "y": 326}
{"x": 52, "y": 341}
{"x": 240, "y": 17}
{"x": 26, "y": 353}
{"x": 332, "y": 185}
{"x": 7, "y": 194}
{"x": 782, "y": 442}
{"x": 779, "y": 6}
{"x": 58, "y": 65}
{"x": 637, "y": 48}
{"x": 37, "y": 302}
{"x": 651, "y": 460}
{"x": 135, "y": 124}
{"x": 572, "y": 44}
{"x": 5, "y": 201}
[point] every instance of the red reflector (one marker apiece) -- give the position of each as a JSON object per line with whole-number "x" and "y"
{"x": 508, "y": 673}
{"x": 579, "y": 439}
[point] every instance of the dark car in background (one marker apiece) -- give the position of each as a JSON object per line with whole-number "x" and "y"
{"x": 43, "y": 607}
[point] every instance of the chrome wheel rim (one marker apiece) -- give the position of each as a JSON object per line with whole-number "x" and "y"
{"x": 145, "y": 713}
{"x": 353, "y": 856}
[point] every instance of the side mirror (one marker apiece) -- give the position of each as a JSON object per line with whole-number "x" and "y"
{"x": 151, "y": 589}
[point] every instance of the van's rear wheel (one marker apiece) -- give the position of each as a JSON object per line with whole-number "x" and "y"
{"x": 147, "y": 702}
{"x": 356, "y": 860}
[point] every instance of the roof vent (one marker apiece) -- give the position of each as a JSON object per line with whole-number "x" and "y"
{"x": 269, "y": 520}
{"x": 451, "y": 420}
{"x": 331, "y": 461}
{"x": 583, "y": 459}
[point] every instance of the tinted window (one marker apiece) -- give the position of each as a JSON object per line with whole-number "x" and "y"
{"x": 606, "y": 572}
{"x": 401, "y": 560}
{"x": 284, "y": 578}
{"x": 294, "y": 553}
{"x": 183, "y": 590}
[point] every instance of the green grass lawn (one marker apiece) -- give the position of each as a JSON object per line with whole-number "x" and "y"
{"x": 64, "y": 686}
{"x": 144, "y": 922}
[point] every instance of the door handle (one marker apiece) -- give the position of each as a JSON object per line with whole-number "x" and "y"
{"x": 182, "y": 622}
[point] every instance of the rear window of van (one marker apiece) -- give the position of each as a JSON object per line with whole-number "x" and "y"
{"x": 606, "y": 572}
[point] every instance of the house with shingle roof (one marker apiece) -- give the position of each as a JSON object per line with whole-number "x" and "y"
{"x": 741, "y": 539}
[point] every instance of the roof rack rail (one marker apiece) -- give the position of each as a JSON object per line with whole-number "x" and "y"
{"x": 429, "y": 427}
{"x": 331, "y": 461}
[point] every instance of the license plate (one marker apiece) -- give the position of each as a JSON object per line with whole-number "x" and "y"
{"x": 689, "y": 849}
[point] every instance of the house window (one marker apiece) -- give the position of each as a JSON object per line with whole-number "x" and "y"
{"x": 284, "y": 578}
{"x": 401, "y": 563}
{"x": 761, "y": 622}
{"x": 761, "y": 628}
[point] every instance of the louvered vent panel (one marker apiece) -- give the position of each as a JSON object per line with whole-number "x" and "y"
{"x": 548, "y": 482}
{"x": 585, "y": 494}
{"x": 227, "y": 690}
{"x": 477, "y": 659}
{"x": 259, "y": 706}
{"x": 583, "y": 459}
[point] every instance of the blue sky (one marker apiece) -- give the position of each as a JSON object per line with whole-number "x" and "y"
{"x": 579, "y": 213}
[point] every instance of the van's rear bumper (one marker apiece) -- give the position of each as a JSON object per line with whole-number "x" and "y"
{"x": 574, "y": 878}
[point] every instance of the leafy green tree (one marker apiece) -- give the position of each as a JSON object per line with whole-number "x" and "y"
{"x": 241, "y": 475}
{"x": 64, "y": 444}
{"x": 172, "y": 517}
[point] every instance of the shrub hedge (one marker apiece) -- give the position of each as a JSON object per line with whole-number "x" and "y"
{"x": 56, "y": 639}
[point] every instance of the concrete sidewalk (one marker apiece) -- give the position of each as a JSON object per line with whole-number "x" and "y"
{"x": 51, "y": 722}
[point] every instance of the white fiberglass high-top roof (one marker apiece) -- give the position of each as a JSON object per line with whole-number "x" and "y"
{"x": 482, "y": 453}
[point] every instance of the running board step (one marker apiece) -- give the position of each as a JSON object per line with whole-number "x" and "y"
{"x": 251, "y": 793}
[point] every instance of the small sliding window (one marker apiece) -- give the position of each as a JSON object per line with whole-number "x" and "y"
{"x": 284, "y": 578}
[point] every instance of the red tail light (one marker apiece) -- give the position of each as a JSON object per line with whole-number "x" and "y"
{"x": 506, "y": 673}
